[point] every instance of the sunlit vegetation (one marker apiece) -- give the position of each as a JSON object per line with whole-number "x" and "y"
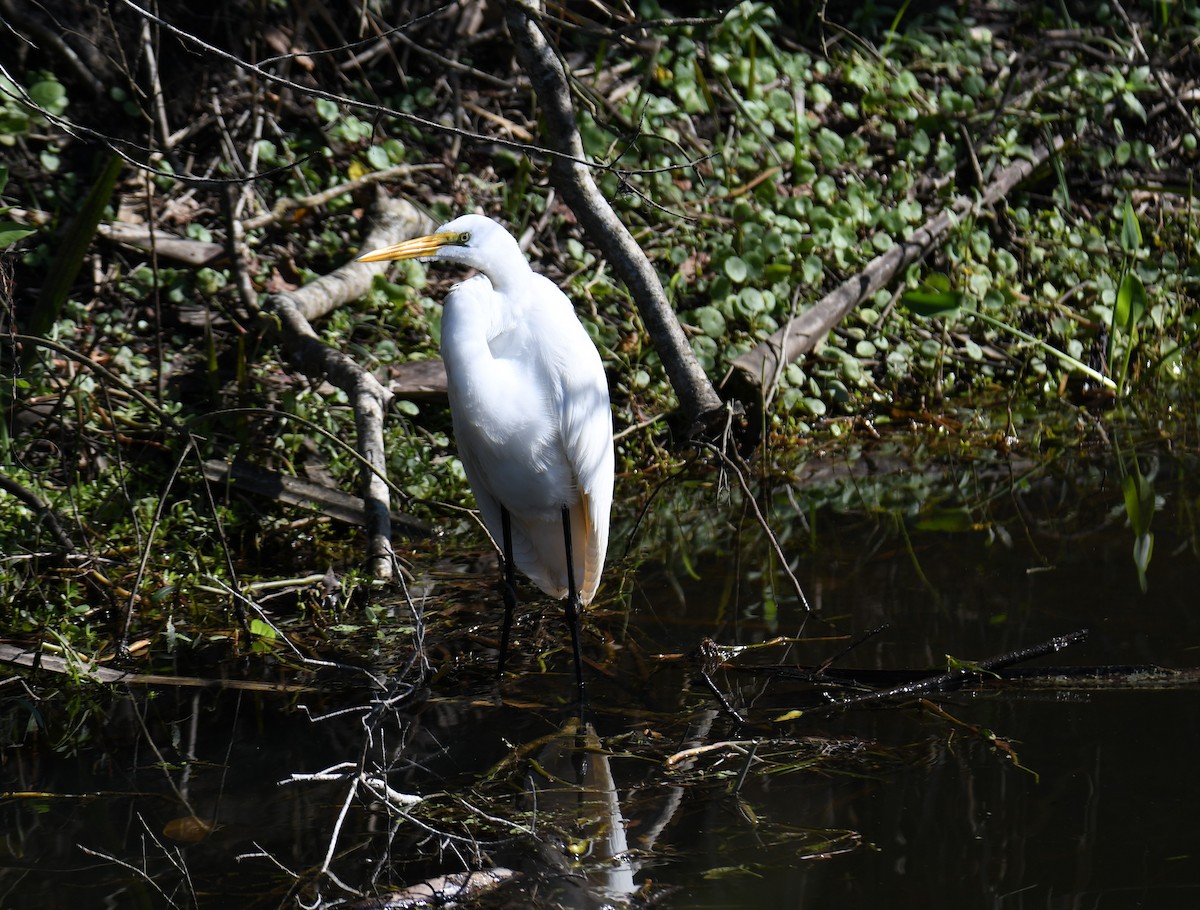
{"x": 1007, "y": 424}
{"x": 760, "y": 158}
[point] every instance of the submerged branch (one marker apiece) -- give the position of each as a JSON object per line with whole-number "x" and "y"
{"x": 80, "y": 668}
{"x": 956, "y": 679}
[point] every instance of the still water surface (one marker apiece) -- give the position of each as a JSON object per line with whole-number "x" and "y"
{"x": 1087, "y": 800}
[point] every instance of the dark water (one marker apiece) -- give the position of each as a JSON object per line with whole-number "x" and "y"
{"x": 1006, "y": 796}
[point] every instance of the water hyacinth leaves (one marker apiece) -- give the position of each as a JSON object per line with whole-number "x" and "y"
{"x": 936, "y": 298}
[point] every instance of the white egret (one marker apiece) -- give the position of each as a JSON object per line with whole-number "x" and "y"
{"x": 529, "y": 404}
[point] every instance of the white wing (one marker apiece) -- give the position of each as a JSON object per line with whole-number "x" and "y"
{"x": 587, "y": 439}
{"x": 533, "y": 426}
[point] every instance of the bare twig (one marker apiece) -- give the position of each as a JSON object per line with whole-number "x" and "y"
{"x": 287, "y": 204}
{"x": 729, "y": 464}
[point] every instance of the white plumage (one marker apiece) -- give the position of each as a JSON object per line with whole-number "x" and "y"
{"x": 529, "y": 402}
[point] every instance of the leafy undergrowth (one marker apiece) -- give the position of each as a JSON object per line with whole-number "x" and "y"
{"x": 760, "y": 157}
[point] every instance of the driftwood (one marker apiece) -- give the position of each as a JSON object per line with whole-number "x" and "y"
{"x": 80, "y": 668}
{"x": 302, "y": 493}
{"x": 163, "y": 243}
{"x": 753, "y": 374}
{"x": 956, "y": 679}
{"x": 294, "y": 311}
{"x": 572, "y": 176}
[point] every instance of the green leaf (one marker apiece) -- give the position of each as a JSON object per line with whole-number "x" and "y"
{"x": 261, "y": 629}
{"x": 1131, "y": 231}
{"x": 378, "y": 157}
{"x": 268, "y": 155}
{"x": 49, "y": 95}
{"x": 812, "y": 269}
{"x": 968, "y": 666}
{"x": 947, "y": 520}
{"x": 1139, "y": 507}
{"x": 11, "y": 232}
{"x": 736, "y": 269}
{"x": 1131, "y": 303}
{"x": 814, "y": 407}
{"x": 1135, "y": 106}
{"x": 327, "y": 110}
{"x": 1139, "y": 501}
{"x": 711, "y": 321}
{"x": 928, "y": 301}
{"x": 830, "y": 145}
{"x": 1143, "y": 549}
{"x": 905, "y": 84}
{"x": 751, "y": 301}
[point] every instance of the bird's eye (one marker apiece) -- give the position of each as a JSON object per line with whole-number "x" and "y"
{"x": 464, "y": 238}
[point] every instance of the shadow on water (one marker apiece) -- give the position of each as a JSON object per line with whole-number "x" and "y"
{"x": 697, "y": 778}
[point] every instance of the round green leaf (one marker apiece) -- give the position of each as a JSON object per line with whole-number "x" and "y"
{"x": 736, "y": 269}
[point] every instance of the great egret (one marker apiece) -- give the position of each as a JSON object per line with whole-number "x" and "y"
{"x": 529, "y": 404}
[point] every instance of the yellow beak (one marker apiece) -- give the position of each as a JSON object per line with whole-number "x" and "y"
{"x": 416, "y": 248}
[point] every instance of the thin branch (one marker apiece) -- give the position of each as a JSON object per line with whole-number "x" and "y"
{"x": 719, "y": 452}
{"x": 287, "y": 204}
{"x": 571, "y": 173}
{"x": 263, "y": 73}
{"x": 294, "y": 312}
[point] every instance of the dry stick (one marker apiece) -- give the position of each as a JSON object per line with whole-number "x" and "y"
{"x": 572, "y": 176}
{"x": 237, "y": 251}
{"x": 729, "y": 464}
{"x": 295, "y": 310}
{"x": 80, "y": 667}
{"x": 749, "y": 373}
{"x": 156, "y": 91}
{"x": 287, "y": 204}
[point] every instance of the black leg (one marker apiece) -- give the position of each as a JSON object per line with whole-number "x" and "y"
{"x": 574, "y": 608}
{"x": 508, "y": 587}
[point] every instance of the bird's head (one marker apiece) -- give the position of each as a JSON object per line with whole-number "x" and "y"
{"x": 472, "y": 240}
